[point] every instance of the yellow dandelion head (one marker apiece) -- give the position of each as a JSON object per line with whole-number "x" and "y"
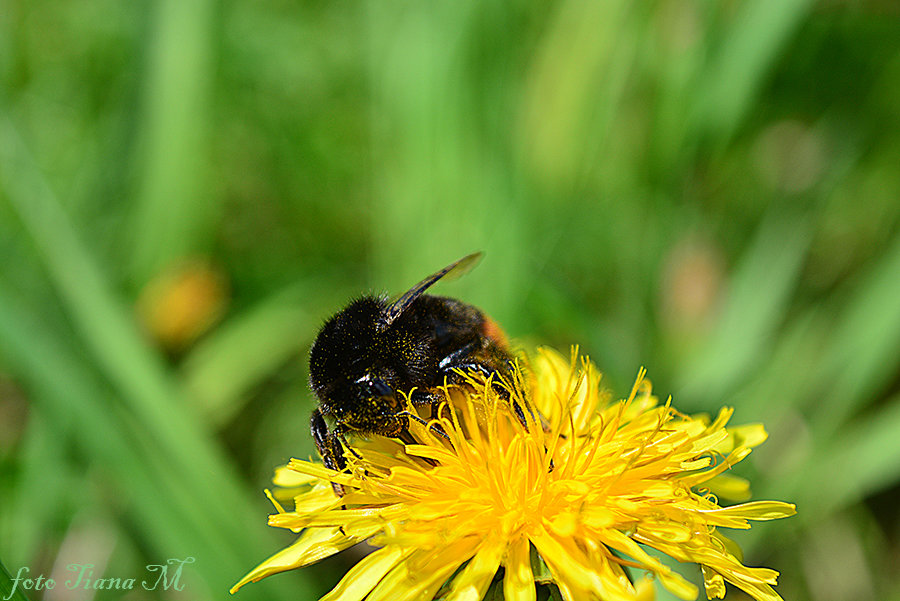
{"x": 545, "y": 477}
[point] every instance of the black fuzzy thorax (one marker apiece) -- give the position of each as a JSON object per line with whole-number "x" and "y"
{"x": 408, "y": 353}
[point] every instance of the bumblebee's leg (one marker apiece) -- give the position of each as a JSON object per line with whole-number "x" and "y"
{"x": 326, "y": 443}
{"x": 458, "y": 357}
{"x": 433, "y": 399}
{"x": 407, "y": 438}
{"x": 423, "y": 397}
{"x": 400, "y": 429}
{"x": 338, "y": 438}
{"x": 324, "y": 440}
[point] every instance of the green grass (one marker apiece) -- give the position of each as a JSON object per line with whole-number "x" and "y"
{"x": 705, "y": 189}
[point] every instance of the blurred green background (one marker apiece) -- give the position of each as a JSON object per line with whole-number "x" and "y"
{"x": 189, "y": 187}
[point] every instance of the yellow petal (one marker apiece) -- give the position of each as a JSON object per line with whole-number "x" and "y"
{"x": 320, "y": 471}
{"x": 673, "y": 581}
{"x": 736, "y": 456}
{"x": 312, "y": 546}
{"x": 730, "y": 546}
{"x": 753, "y": 581}
{"x": 423, "y": 573}
{"x": 670, "y": 532}
{"x": 518, "y": 581}
{"x": 357, "y": 518}
{"x": 564, "y": 524}
{"x": 472, "y": 583}
{"x": 696, "y": 464}
{"x": 729, "y": 486}
{"x": 645, "y": 590}
{"x": 285, "y": 477}
{"x": 439, "y": 454}
{"x": 365, "y": 575}
{"x": 714, "y": 583}
{"x": 319, "y": 498}
{"x": 710, "y": 441}
{"x": 736, "y": 516}
{"x": 572, "y": 593}
{"x": 570, "y": 566}
{"x": 748, "y": 435}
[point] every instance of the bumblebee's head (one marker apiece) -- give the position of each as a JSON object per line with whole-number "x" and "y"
{"x": 346, "y": 363}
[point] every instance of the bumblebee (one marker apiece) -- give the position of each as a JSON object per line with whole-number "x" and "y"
{"x": 373, "y": 349}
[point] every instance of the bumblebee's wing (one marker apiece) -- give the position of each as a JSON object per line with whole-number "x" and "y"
{"x": 451, "y": 271}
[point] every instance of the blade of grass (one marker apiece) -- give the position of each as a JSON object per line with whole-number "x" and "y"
{"x": 70, "y": 398}
{"x": 859, "y": 356}
{"x": 864, "y": 459}
{"x": 441, "y": 187}
{"x": 8, "y": 591}
{"x": 865, "y": 351}
{"x": 575, "y": 88}
{"x": 779, "y": 387}
{"x": 32, "y": 506}
{"x": 757, "y": 300}
{"x": 749, "y": 45}
{"x": 104, "y": 323}
{"x": 180, "y": 442}
{"x": 175, "y": 206}
{"x": 176, "y": 516}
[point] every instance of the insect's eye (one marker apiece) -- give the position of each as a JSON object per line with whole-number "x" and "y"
{"x": 373, "y": 387}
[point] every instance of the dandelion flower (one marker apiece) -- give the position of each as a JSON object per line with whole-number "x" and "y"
{"x": 582, "y": 495}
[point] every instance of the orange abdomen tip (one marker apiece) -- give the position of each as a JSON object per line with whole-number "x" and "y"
{"x": 492, "y": 330}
